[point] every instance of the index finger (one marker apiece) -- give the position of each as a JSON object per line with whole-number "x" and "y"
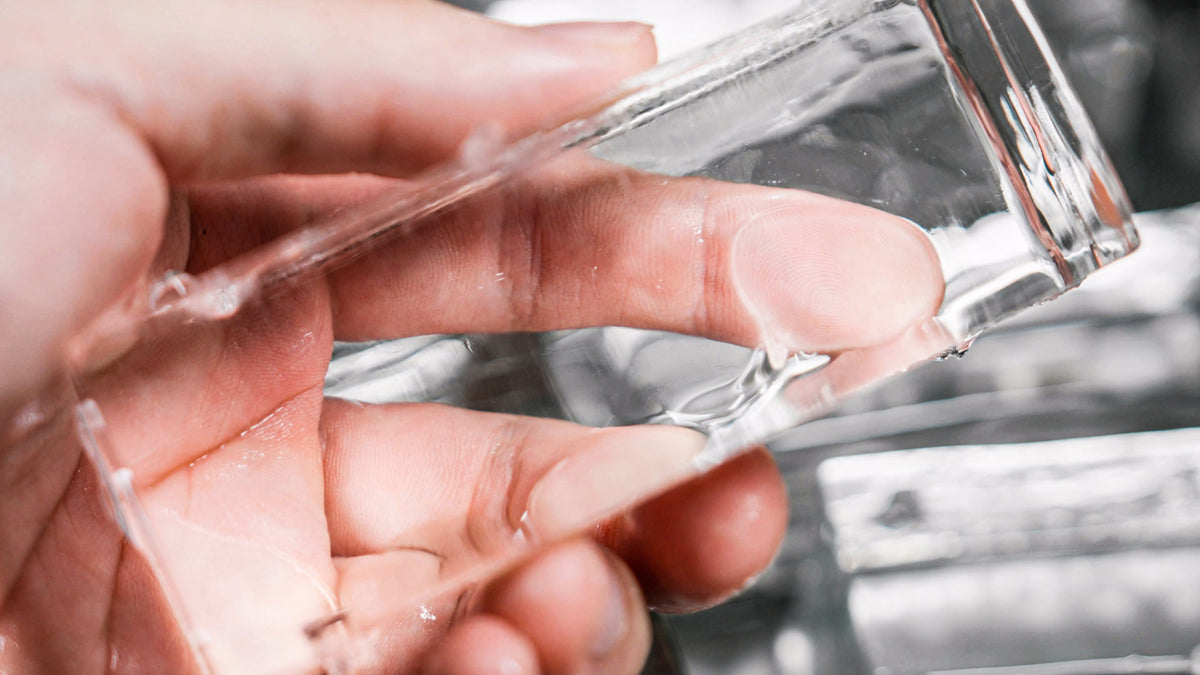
{"x": 227, "y": 89}
{"x": 586, "y": 243}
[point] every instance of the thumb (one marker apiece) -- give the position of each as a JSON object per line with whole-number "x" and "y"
{"x": 81, "y": 213}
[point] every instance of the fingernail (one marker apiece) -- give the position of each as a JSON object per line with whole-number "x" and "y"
{"x": 606, "y": 34}
{"x": 616, "y": 469}
{"x": 614, "y": 621}
{"x": 822, "y": 275}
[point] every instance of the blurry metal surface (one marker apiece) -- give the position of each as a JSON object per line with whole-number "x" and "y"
{"x": 976, "y": 504}
{"x": 1025, "y": 612}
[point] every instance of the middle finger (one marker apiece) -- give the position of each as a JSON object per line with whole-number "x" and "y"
{"x": 585, "y": 243}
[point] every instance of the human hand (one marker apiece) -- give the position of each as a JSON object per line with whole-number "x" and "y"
{"x": 145, "y": 136}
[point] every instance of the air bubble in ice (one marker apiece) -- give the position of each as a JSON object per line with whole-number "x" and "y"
{"x": 958, "y": 351}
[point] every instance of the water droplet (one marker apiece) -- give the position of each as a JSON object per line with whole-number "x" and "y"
{"x": 427, "y": 614}
{"x": 123, "y": 479}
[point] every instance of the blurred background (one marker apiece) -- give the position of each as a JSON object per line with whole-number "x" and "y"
{"x": 1034, "y": 507}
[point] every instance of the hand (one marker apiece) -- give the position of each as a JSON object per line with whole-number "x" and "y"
{"x": 145, "y": 136}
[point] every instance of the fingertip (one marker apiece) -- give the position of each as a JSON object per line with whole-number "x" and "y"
{"x": 592, "y": 59}
{"x": 608, "y": 470}
{"x": 707, "y": 539}
{"x": 826, "y": 275}
{"x": 631, "y": 39}
{"x": 484, "y": 645}
{"x": 580, "y": 607}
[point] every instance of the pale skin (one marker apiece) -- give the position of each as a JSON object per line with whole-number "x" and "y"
{"x": 137, "y": 136}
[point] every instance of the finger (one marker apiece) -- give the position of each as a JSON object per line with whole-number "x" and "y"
{"x": 588, "y": 244}
{"x": 705, "y": 540}
{"x": 228, "y": 89}
{"x": 73, "y": 238}
{"x": 460, "y": 486}
{"x": 579, "y": 606}
{"x": 484, "y": 645}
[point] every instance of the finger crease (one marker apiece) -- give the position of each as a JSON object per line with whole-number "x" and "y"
{"x": 705, "y": 253}
{"x": 41, "y": 534}
{"x": 521, "y": 250}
